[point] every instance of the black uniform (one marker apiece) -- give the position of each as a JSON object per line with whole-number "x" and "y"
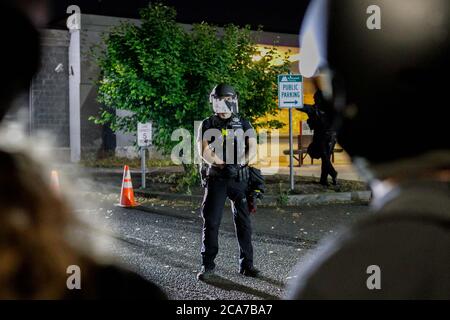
{"x": 324, "y": 138}
{"x": 223, "y": 183}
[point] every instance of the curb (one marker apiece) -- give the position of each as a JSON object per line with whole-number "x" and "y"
{"x": 271, "y": 201}
{"x": 118, "y": 172}
{"x": 268, "y": 201}
{"x": 324, "y": 198}
{"x": 167, "y": 196}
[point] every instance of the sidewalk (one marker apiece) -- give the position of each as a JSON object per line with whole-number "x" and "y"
{"x": 316, "y": 195}
{"x": 345, "y": 171}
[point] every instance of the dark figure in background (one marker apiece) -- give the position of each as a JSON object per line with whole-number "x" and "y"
{"x": 35, "y": 222}
{"x": 324, "y": 138}
{"x": 226, "y": 152}
{"x": 378, "y": 80}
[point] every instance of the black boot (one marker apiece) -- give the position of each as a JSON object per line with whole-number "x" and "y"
{"x": 334, "y": 181}
{"x": 205, "y": 274}
{"x": 250, "y": 272}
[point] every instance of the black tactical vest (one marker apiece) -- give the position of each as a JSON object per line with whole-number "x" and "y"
{"x": 232, "y": 134}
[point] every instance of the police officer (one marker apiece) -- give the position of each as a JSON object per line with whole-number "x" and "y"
{"x": 379, "y": 75}
{"x": 226, "y": 144}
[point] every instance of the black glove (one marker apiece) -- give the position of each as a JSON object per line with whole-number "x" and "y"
{"x": 243, "y": 173}
{"x": 231, "y": 171}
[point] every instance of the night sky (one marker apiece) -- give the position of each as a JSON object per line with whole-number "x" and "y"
{"x": 276, "y": 16}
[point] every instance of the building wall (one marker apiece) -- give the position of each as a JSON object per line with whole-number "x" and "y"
{"x": 49, "y": 93}
{"x": 95, "y": 137}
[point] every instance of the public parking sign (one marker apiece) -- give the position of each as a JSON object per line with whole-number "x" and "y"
{"x": 144, "y": 134}
{"x": 290, "y": 91}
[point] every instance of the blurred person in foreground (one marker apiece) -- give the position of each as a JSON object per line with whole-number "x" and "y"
{"x": 379, "y": 77}
{"x": 35, "y": 246}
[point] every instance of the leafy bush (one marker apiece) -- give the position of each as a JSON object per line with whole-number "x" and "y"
{"x": 164, "y": 74}
{"x": 191, "y": 178}
{"x": 283, "y": 195}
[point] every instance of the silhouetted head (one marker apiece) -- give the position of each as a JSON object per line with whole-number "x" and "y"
{"x": 381, "y": 63}
{"x": 20, "y": 54}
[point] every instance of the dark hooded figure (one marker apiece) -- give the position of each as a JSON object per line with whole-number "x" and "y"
{"x": 324, "y": 138}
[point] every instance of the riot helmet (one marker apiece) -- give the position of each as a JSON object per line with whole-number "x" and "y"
{"x": 380, "y": 64}
{"x": 224, "y": 100}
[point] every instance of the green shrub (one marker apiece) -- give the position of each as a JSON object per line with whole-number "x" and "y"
{"x": 164, "y": 74}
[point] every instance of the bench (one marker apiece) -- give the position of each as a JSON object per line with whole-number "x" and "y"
{"x": 299, "y": 154}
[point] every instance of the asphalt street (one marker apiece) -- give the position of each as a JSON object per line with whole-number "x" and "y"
{"x": 162, "y": 240}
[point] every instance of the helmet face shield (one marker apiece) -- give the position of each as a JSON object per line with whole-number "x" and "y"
{"x": 224, "y": 104}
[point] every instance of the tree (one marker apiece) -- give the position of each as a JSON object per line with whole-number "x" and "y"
{"x": 162, "y": 73}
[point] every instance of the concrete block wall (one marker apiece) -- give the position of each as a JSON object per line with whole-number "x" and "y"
{"x": 95, "y": 137}
{"x": 49, "y": 93}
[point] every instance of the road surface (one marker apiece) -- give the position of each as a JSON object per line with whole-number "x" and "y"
{"x": 162, "y": 240}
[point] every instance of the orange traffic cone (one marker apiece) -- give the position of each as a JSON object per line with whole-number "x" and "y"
{"x": 54, "y": 181}
{"x": 127, "y": 194}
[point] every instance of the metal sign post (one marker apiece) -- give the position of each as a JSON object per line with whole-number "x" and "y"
{"x": 143, "y": 168}
{"x": 291, "y": 152}
{"x": 290, "y": 95}
{"x": 144, "y": 136}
